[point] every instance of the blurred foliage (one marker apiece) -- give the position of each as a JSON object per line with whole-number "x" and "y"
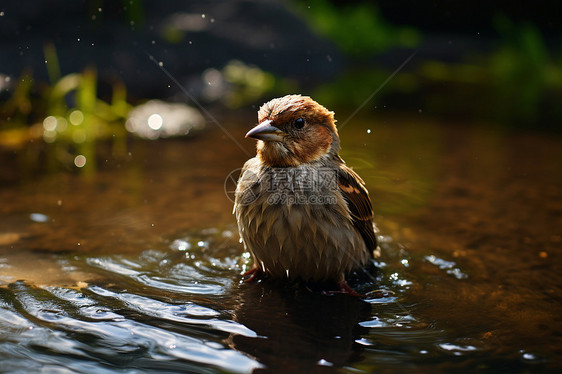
{"x": 523, "y": 69}
{"x": 358, "y": 29}
{"x": 519, "y": 84}
{"x": 77, "y": 119}
{"x": 53, "y": 67}
{"x": 248, "y": 84}
{"x": 17, "y": 108}
{"x": 68, "y": 116}
{"x": 352, "y": 88}
{"x": 134, "y": 11}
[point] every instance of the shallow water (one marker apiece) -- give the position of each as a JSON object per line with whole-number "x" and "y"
{"x": 138, "y": 268}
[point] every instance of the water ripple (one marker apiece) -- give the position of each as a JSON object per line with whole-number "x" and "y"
{"x": 448, "y": 266}
{"x": 170, "y": 275}
{"x": 56, "y": 325}
{"x": 177, "y": 313}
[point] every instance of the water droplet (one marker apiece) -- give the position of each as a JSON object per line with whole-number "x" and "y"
{"x": 457, "y": 348}
{"x": 368, "y": 131}
{"x": 180, "y": 245}
{"x": 363, "y": 341}
{"x": 160, "y": 63}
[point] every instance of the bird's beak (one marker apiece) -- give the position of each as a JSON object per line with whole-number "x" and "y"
{"x": 267, "y": 132}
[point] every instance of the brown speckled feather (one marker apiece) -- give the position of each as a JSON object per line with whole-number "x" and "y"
{"x": 357, "y": 198}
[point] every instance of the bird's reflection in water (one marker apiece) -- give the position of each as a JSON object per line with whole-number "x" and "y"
{"x": 298, "y": 329}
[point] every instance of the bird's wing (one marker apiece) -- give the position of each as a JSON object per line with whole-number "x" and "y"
{"x": 357, "y": 197}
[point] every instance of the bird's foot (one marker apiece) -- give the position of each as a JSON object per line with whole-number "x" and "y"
{"x": 344, "y": 289}
{"x": 252, "y": 275}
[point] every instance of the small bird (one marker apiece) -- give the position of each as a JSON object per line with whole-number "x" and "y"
{"x": 301, "y": 212}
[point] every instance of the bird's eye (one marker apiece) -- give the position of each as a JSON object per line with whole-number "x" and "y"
{"x": 299, "y": 123}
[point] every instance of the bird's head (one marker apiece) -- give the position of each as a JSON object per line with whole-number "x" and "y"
{"x": 293, "y": 130}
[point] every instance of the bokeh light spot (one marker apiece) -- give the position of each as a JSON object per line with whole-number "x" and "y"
{"x": 76, "y": 117}
{"x": 80, "y": 161}
{"x": 50, "y": 123}
{"x": 155, "y": 121}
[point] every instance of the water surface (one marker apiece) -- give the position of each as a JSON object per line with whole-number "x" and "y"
{"x": 138, "y": 268}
